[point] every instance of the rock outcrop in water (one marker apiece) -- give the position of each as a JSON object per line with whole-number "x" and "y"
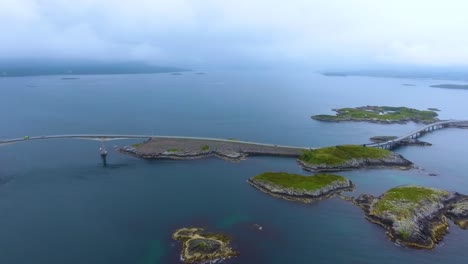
{"x": 200, "y": 247}
{"x": 380, "y": 114}
{"x": 349, "y": 157}
{"x": 415, "y": 216}
{"x": 300, "y": 188}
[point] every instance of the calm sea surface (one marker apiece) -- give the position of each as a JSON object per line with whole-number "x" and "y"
{"x": 58, "y": 204}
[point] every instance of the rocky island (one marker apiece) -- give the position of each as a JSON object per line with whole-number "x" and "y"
{"x": 301, "y": 188}
{"x": 380, "y": 114}
{"x": 414, "y": 215}
{"x": 200, "y": 247}
{"x": 405, "y": 142}
{"x": 348, "y": 157}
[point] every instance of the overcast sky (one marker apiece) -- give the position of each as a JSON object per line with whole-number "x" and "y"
{"x": 197, "y": 32}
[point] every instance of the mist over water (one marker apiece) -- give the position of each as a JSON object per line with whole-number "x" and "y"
{"x": 60, "y": 205}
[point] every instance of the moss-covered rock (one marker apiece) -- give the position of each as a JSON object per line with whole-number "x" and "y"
{"x": 348, "y": 157}
{"x": 458, "y": 213}
{"x": 298, "y": 187}
{"x": 414, "y": 215}
{"x": 200, "y": 247}
{"x": 380, "y": 114}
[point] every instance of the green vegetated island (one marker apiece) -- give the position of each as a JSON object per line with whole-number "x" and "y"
{"x": 451, "y": 86}
{"x": 201, "y": 247}
{"x": 296, "y": 187}
{"x": 416, "y": 216}
{"x": 348, "y": 157}
{"x": 380, "y": 114}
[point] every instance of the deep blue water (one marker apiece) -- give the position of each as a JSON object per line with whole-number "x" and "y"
{"x": 59, "y": 204}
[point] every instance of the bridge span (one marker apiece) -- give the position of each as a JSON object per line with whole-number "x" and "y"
{"x": 391, "y": 144}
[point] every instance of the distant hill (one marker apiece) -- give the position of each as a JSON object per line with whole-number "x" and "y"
{"x": 451, "y": 86}
{"x": 15, "y": 68}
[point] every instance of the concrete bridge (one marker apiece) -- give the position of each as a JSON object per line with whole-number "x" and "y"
{"x": 391, "y": 144}
{"x": 108, "y": 137}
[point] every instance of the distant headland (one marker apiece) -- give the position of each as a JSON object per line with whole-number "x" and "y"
{"x": 451, "y": 86}
{"x": 20, "y": 68}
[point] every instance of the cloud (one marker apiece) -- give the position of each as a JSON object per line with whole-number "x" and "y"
{"x": 320, "y": 32}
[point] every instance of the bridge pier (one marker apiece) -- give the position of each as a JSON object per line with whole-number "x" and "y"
{"x": 103, "y": 153}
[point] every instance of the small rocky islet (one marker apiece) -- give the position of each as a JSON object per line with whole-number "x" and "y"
{"x": 380, "y": 114}
{"x": 415, "y": 216}
{"x": 301, "y": 188}
{"x": 201, "y": 247}
{"x": 349, "y": 157}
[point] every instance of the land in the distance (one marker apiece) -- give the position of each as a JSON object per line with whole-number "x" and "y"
{"x": 16, "y": 68}
{"x": 416, "y": 216}
{"x": 348, "y": 157}
{"x": 296, "y": 187}
{"x": 201, "y": 247}
{"x": 440, "y": 73}
{"x": 451, "y": 86}
{"x": 380, "y": 114}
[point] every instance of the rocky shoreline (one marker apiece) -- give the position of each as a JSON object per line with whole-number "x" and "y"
{"x": 200, "y": 247}
{"x": 380, "y": 114}
{"x": 417, "y": 223}
{"x": 326, "y": 118}
{"x": 302, "y": 195}
{"x": 393, "y": 160}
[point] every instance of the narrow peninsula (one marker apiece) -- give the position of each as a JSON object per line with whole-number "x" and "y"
{"x": 301, "y": 188}
{"x": 415, "y": 216}
{"x": 348, "y": 157}
{"x": 200, "y": 247}
{"x": 195, "y": 148}
{"x": 380, "y": 114}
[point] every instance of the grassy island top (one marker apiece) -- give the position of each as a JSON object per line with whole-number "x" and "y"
{"x": 401, "y": 201}
{"x": 296, "y": 181}
{"x": 380, "y": 113}
{"x": 340, "y": 154}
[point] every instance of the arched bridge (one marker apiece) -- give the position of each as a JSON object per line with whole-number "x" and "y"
{"x": 107, "y": 137}
{"x": 391, "y": 144}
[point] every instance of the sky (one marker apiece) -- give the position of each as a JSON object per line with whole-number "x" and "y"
{"x": 224, "y": 32}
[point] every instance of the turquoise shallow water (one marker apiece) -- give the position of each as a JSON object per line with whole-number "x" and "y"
{"x": 60, "y": 205}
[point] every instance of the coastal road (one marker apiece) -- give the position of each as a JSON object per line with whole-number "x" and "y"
{"x": 109, "y": 137}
